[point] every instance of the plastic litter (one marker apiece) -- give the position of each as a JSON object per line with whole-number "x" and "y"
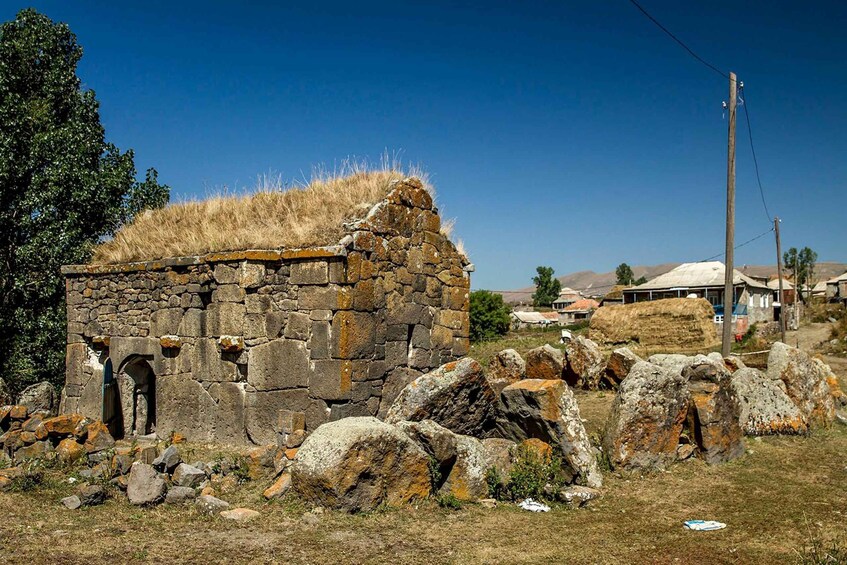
{"x": 704, "y": 525}
{"x": 533, "y": 506}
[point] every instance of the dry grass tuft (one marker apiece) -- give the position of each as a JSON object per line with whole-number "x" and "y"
{"x": 272, "y": 217}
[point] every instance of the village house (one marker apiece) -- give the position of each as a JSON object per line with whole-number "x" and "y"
{"x": 567, "y": 296}
{"x": 523, "y": 319}
{"x": 836, "y": 289}
{"x": 752, "y": 301}
{"x": 579, "y": 311}
{"x": 243, "y": 345}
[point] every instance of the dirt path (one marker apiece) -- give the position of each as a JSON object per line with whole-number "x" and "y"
{"x": 809, "y": 336}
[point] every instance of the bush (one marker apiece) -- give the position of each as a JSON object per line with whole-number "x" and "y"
{"x": 489, "y": 315}
{"x": 530, "y": 473}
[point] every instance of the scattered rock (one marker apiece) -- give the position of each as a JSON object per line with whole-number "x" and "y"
{"x": 456, "y": 396}
{"x": 63, "y": 426}
{"x": 764, "y": 406}
{"x": 92, "y": 495}
{"x": 488, "y": 503}
{"x": 147, "y": 454}
{"x": 577, "y": 496}
{"x": 734, "y": 363}
{"x": 505, "y": 368}
{"x": 684, "y": 451}
{"x": 39, "y": 397}
{"x": 620, "y": 362}
{"x": 499, "y": 455}
{"x": 279, "y": 488}
{"x": 179, "y": 495}
{"x": 240, "y": 514}
{"x": 72, "y": 502}
{"x": 145, "y": 486}
{"x": 547, "y": 410}
{"x": 713, "y": 413}
{"x": 584, "y": 364}
{"x": 98, "y": 437}
{"x": 210, "y": 505}
{"x": 545, "y": 362}
{"x": 167, "y": 460}
{"x": 358, "y": 463}
{"x": 466, "y": 480}
{"x": 187, "y": 476}
{"x": 805, "y": 381}
{"x": 646, "y": 418}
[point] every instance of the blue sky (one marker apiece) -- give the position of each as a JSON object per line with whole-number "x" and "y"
{"x": 569, "y": 134}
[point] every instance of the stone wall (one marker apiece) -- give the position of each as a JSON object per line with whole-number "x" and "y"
{"x": 241, "y": 344}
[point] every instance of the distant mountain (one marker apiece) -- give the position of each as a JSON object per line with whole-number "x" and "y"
{"x": 598, "y": 284}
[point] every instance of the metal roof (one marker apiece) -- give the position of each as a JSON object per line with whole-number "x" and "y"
{"x": 695, "y": 275}
{"x": 531, "y": 317}
{"x": 786, "y": 284}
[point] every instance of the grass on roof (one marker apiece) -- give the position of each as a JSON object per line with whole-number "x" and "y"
{"x": 272, "y": 217}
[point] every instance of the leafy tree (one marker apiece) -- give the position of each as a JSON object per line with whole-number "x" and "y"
{"x": 802, "y": 266}
{"x": 624, "y": 274}
{"x": 63, "y": 189}
{"x": 489, "y": 315}
{"x": 546, "y": 287}
{"x": 639, "y": 281}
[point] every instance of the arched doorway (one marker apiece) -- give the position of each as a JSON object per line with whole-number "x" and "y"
{"x": 129, "y": 398}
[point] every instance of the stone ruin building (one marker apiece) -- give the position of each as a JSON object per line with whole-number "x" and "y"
{"x": 234, "y": 346}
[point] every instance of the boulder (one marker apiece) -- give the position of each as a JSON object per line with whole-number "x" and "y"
{"x": 461, "y": 459}
{"x": 620, "y": 362}
{"x": 62, "y": 426}
{"x": 179, "y": 495}
{"x": 38, "y": 397}
{"x": 145, "y": 486}
{"x": 545, "y": 362}
{"x": 208, "y": 504}
{"x": 394, "y": 384}
{"x": 577, "y": 496}
{"x": 499, "y": 455}
{"x": 359, "y": 463}
{"x": 467, "y": 480}
{"x": 713, "y": 413}
{"x": 646, "y": 418}
{"x": 456, "y": 396}
{"x": 584, "y": 366}
{"x": 734, "y": 363}
{"x": 505, "y": 368}
{"x": 764, "y": 406}
{"x": 168, "y": 460}
{"x": 187, "y": 476}
{"x": 805, "y": 382}
{"x": 547, "y": 410}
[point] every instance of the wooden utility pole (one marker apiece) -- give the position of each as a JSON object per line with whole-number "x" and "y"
{"x": 779, "y": 274}
{"x": 728, "y": 289}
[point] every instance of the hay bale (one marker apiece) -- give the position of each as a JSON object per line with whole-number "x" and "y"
{"x": 672, "y": 323}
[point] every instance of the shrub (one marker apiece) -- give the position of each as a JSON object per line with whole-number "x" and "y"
{"x": 530, "y": 473}
{"x": 489, "y": 315}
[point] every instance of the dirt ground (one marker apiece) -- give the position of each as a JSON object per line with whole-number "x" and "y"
{"x": 785, "y": 493}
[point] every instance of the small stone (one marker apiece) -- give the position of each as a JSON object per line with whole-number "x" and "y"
{"x": 145, "y": 486}
{"x": 295, "y": 439}
{"x": 187, "y": 476}
{"x": 168, "y": 460}
{"x": 178, "y": 495}
{"x": 210, "y": 505}
{"x": 279, "y": 488}
{"x": 488, "y": 503}
{"x": 684, "y": 451}
{"x": 92, "y": 495}
{"x": 208, "y": 491}
{"x": 240, "y": 514}
{"x": 72, "y": 502}
{"x": 577, "y": 496}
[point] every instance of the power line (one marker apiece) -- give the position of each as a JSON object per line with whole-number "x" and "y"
{"x": 751, "y": 240}
{"x": 675, "y": 38}
{"x": 755, "y": 161}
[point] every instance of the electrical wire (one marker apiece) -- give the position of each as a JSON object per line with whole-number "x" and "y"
{"x": 675, "y": 38}
{"x": 755, "y": 161}
{"x": 751, "y": 240}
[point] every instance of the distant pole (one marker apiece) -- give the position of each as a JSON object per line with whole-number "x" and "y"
{"x": 779, "y": 276}
{"x": 728, "y": 292}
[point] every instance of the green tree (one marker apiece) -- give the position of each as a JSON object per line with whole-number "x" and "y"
{"x": 546, "y": 287}
{"x": 489, "y": 315}
{"x": 639, "y": 281}
{"x": 802, "y": 266}
{"x": 624, "y": 274}
{"x": 63, "y": 189}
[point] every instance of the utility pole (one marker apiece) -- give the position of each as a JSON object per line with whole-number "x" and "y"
{"x": 728, "y": 289}
{"x": 779, "y": 275}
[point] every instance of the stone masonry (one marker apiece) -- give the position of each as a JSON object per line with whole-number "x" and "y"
{"x": 248, "y": 346}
